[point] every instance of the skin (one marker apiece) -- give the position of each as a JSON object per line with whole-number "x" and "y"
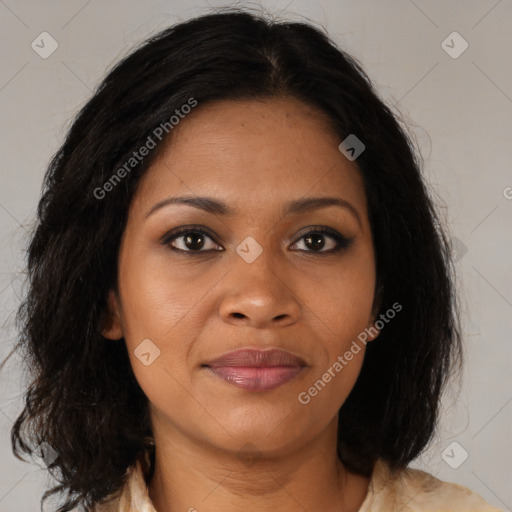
{"x": 255, "y": 156}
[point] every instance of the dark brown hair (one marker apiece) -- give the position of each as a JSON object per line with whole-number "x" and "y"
{"x": 84, "y": 400}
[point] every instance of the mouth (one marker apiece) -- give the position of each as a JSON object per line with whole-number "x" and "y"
{"x": 256, "y": 378}
{"x": 257, "y": 370}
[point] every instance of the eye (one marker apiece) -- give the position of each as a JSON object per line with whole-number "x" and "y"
{"x": 190, "y": 239}
{"x": 197, "y": 239}
{"x": 314, "y": 239}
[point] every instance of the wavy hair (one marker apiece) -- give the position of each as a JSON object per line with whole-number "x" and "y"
{"x": 83, "y": 399}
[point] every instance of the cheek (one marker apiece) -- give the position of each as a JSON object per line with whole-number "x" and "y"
{"x": 162, "y": 316}
{"x": 157, "y": 298}
{"x": 342, "y": 301}
{"x": 341, "y": 310}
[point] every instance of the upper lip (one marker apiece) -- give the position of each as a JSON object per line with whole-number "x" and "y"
{"x": 251, "y": 357}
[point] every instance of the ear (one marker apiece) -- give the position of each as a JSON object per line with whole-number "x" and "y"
{"x": 111, "y": 324}
{"x": 377, "y": 302}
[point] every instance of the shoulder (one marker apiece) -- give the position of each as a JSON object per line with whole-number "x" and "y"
{"x": 131, "y": 497}
{"x": 111, "y": 504}
{"x": 413, "y": 490}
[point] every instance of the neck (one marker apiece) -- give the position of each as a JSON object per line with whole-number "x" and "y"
{"x": 192, "y": 475}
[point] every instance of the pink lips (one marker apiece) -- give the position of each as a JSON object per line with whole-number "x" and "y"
{"x": 257, "y": 370}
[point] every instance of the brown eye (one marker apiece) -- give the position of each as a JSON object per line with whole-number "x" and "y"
{"x": 315, "y": 241}
{"x": 196, "y": 240}
{"x": 191, "y": 240}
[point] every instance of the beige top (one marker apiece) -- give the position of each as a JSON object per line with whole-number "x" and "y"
{"x": 409, "y": 490}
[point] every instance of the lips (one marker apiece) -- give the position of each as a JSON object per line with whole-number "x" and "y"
{"x": 257, "y": 370}
{"x": 255, "y": 358}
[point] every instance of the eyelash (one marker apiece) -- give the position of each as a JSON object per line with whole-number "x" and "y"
{"x": 341, "y": 241}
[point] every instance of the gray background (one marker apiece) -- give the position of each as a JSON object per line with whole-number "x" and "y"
{"x": 458, "y": 110}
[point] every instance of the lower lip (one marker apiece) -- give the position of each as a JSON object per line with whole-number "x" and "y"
{"x": 256, "y": 379}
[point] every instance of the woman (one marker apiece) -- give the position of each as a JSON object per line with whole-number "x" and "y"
{"x": 240, "y": 292}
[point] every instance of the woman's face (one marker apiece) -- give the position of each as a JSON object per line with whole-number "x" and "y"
{"x": 255, "y": 279}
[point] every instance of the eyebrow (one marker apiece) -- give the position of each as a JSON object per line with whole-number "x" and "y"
{"x": 217, "y": 207}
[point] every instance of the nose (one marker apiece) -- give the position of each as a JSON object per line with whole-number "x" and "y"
{"x": 256, "y": 295}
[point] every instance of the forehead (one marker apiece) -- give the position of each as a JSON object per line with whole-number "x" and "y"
{"x": 253, "y": 153}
